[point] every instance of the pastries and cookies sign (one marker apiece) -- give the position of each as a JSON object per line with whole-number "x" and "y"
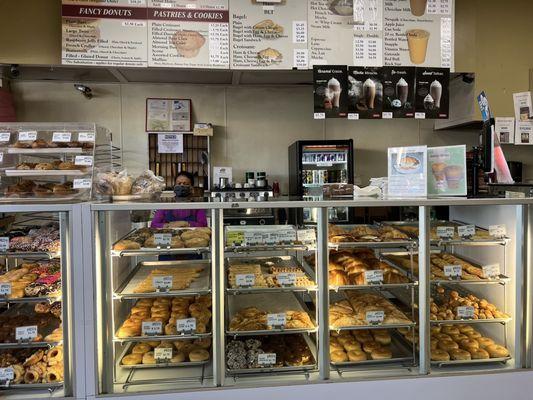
{"x": 251, "y": 34}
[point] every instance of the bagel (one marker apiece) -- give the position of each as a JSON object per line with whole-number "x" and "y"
{"x": 439, "y": 355}
{"x": 497, "y": 351}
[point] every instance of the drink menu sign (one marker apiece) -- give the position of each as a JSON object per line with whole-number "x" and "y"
{"x": 191, "y": 33}
{"x": 111, "y": 32}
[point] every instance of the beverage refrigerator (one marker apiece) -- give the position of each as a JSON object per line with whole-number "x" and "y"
{"x": 314, "y": 164}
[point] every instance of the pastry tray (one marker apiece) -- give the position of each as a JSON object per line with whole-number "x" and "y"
{"x": 442, "y": 241}
{"x": 31, "y": 386}
{"x": 270, "y": 302}
{"x": 401, "y": 353}
{"x": 30, "y": 254}
{"x": 280, "y": 247}
{"x": 158, "y": 365}
{"x": 47, "y": 150}
{"x": 295, "y": 368}
{"x": 199, "y": 286}
{"x": 49, "y": 199}
{"x": 400, "y": 243}
{"x": 282, "y": 261}
{"x": 166, "y": 338}
{"x": 40, "y": 299}
{"x": 451, "y": 363}
{"x": 46, "y": 172}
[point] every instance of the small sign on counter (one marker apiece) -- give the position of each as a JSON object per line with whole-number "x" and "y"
{"x": 187, "y": 325}
{"x": 276, "y": 320}
{"x": 466, "y": 231}
{"x": 453, "y": 271}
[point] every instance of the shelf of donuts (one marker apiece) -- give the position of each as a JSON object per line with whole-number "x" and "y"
{"x": 357, "y": 310}
{"x": 30, "y": 190}
{"x": 44, "y": 142}
{"x": 167, "y": 279}
{"x": 169, "y": 241}
{"x": 31, "y": 368}
{"x": 456, "y": 233}
{"x": 31, "y": 242}
{"x": 166, "y": 318}
{"x": 78, "y": 167}
{"x": 447, "y": 268}
{"x": 27, "y": 325}
{"x": 253, "y": 238}
{"x": 267, "y": 274}
{"x": 368, "y": 347}
{"x": 163, "y": 354}
{"x": 448, "y": 306}
{"x": 38, "y": 281}
{"x": 267, "y": 314}
{"x": 379, "y": 236}
{"x": 266, "y": 354}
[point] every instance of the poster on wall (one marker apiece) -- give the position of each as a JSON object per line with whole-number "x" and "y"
{"x": 523, "y": 110}
{"x": 504, "y": 128}
{"x": 523, "y": 132}
{"x": 407, "y": 171}
{"x": 192, "y": 33}
{"x": 398, "y": 92}
{"x": 447, "y": 170}
{"x": 432, "y": 94}
{"x": 168, "y": 115}
{"x": 330, "y": 91}
{"x": 268, "y": 35}
{"x": 365, "y": 93}
{"x": 111, "y": 32}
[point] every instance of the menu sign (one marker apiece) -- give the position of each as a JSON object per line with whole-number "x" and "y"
{"x": 330, "y": 91}
{"x": 407, "y": 171}
{"x": 447, "y": 170}
{"x": 398, "y": 92}
{"x": 268, "y": 36}
{"x": 111, "y": 32}
{"x": 432, "y": 96}
{"x": 192, "y": 34}
{"x": 365, "y": 94}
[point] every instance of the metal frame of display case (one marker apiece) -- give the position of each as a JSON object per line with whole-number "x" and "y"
{"x": 521, "y": 357}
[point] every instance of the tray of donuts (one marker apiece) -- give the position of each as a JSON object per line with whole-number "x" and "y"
{"x": 32, "y": 368}
{"x": 164, "y": 318}
{"x": 178, "y": 353}
{"x": 145, "y": 239}
{"x": 23, "y": 315}
{"x": 363, "y": 347}
{"x": 41, "y": 146}
{"x": 42, "y": 192}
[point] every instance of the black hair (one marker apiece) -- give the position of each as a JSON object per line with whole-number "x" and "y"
{"x": 188, "y": 175}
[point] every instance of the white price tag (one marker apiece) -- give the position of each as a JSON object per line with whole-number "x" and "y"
{"x": 324, "y": 164}
{"x": 453, "y": 271}
{"x": 162, "y": 282}
{"x": 162, "y": 239}
{"x": 266, "y": 359}
{"x": 5, "y": 289}
{"x": 190, "y": 6}
{"x": 86, "y": 137}
{"x": 186, "y": 325}
{"x": 319, "y": 115}
{"x": 374, "y": 277}
{"x": 465, "y": 312}
{"x": 375, "y": 317}
{"x": 420, "y": 115}
{"x": 165, "y": 5}
{"x": 162, "y": 355}
{"x": 27, "y": 136}
{"x": 276, "y": 320}
{"x": 286, "y": 278}
{"x": 82, "y": 183}
{"x": 299, "y": 31}
{"x": 83, "y": 160}
{"x": 491, "y": 271}
{"x": 4, "y": 243}
{"x": 152, "y": 328}
{"x": 137, "y": 2}
{"x": 5, "y": 136}
{"x": 61, "y": 137}
{"x": 245, "y": 280}
{"x": 8, "y": 374}
{"x": 268, "y": 9}
{"x": 386, "y": 115}
{"x": 301, "y": 58}
{"x": 466, "y": 231}
{"x": 26, "y": 332}
{"x": 353, "y": 115}
{"x": 497, "y": 231}
{"x": 445, "y": 232}
{"x": 1, "y": 157}
{"x": 306, "y": 236}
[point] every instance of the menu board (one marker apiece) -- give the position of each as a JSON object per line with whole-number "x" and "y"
{"x": 191, "y": 33}
{"x": 365, "y": 96}
{"x": 407, "y": 171}
{"x": 330, "y": 91}
{"x": 432, "y": 98}
{"x": 268, "y": 35}
{"x": 447, "y": 170}
{"x": 398, "y": 92}
{"x": 107, "y": 32}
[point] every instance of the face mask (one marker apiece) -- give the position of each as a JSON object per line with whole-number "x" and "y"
{"x": 182, "y": 190}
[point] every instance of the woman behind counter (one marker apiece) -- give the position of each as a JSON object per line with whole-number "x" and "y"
{"x": 180, "y": 218}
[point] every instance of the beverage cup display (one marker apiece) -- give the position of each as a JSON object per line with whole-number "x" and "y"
{"x": 369, "y": 93}
{"x": 417, "y": 40}
{"x": 454, "y": 174}
{"x": 438, "y": 173}
{"x": 418, "y": 7}
{"x": 334, "y": 87}
{"x": 429, "y": 103}
{"x": 436, "y": 92}
{"x": 402, "y": 91}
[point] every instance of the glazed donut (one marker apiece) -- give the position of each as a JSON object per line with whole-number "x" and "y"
{"x": 132, "y": 359}
{"x": 141, "y": 348}
{"x": 484, "y": 342}
{"x": 203, "y": 343}
{"x": 381, "y": 353}
{"x": 148, "y": 358}
{"x": 338, "y": 356}
{"x": 479, "y": 354}
{"x": 352, "y": 346}
{"x": 178, "y": 357}
{"x": 497, "y": 351}
{"x": 383, "y": 339}
{"x": 473, "y": 335}
{"x": 34, "y": 358}
{"x": 198, "y": 355}
{"x": 459, "y": 354}
{"x": 469, "y": 345}
{"x": 355, "y": 355}
{"x": 369, "y": 347}
{"x": 363, "y": 338}
{"x": 465, "y": 329}
{"x": 447, "y": 345}
{"x": 439, "y": 355}
{"x": 344, "y": 339}
{"x": 55, "y": 355}
{"x": 334, "y": 346}
{"x": 450, "y": 330}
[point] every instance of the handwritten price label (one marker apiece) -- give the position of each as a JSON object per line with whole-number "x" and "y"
{"x": 266, "y": 359}
{"x": 27, "y": 136}
{"x": 61, "y": 137}
{"x": 374, "y": 277}
{"x": 7, "y": 374}
{"x": 375, "y": 317}
{"x": 491, "y": 271}
{"x": 5, "y": 136}
{"x": 245, "y": 280}
{"x": 86, "y": 137}
{"x": 84, "y": 160}
{"x": 4, "y": 243}
{"x": 5, "y": 289}
{"x": 162, "y": 282}
{"x": 453, "y": 271}
{"x": 162, "y": 355}
{"x": 152, "y": 328}
{"x": 466, "y": 231}
{"x": 25, "y": 332}
{"x": 186, "y": 325}
{"x": 465, "y": 312}
{"x": 497, "y": 231}
{"x": 276, "y": 320}
{"x": 445, "y": 232}
{"x": 162, "y": 239}
{"x": 286, "y": 278}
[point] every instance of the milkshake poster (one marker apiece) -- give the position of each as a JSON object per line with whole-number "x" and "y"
{"x": 431, "y": 93}
{"x": 447, "y": 171}
{"x": 398, "y": 92}
{"x": 365, "y": 93}
{"x": 330, "y": 91}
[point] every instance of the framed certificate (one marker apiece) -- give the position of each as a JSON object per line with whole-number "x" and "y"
{"x": 168, "y": 115}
